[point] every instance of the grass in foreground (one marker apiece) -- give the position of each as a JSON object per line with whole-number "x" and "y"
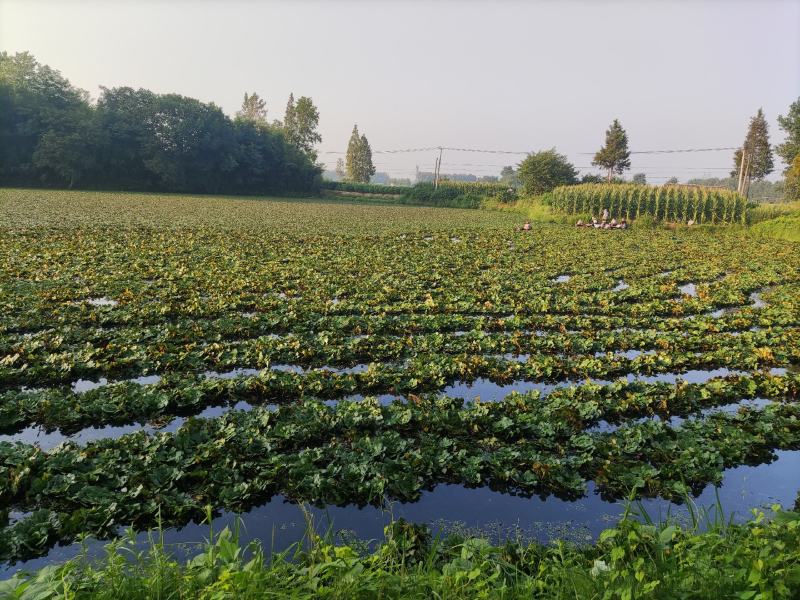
{"x": 758, "y": 560}
{"x": 782, "y": 228}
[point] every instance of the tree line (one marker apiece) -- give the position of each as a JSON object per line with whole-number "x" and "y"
{"x": 541, "y": 172}
{"x": 52, "y": 135}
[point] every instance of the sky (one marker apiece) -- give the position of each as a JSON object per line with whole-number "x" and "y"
{"x": 500, "y": 75}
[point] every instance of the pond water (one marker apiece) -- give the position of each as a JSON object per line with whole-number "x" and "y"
{"x": 446, "y": 508}
{"x": 481, "y": 388}
{"x": 455, "y": 508}
{"x": 102, "y": 301}
{"x": 49, "y": 440}
{"x": 488, "y": 391}
{"x": 621, "y": 285}
{"x": 84, "y": 385}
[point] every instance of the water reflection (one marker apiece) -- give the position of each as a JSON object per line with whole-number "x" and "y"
{"x": 47, "y": 440}
{"x": 447, "y": 508}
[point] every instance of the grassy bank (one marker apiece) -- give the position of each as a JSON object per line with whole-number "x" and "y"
{"x": 758, "y": 560}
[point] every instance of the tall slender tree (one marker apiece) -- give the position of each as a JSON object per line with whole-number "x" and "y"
{"x": 614, "y": 156}
{"x": 359, "y": 165}
{"x": 340, "y": 170}
{"x": 352, "y": 157}
{"x": 289, "y": 118}
{"x": 254, "y": 109}
{"x": 754, "y": 159}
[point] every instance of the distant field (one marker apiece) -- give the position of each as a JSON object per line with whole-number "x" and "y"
{"x": 52, "y": 208}
{"x": 161, "y": 354}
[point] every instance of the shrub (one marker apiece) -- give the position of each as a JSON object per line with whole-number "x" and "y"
{"x": 363, "y": 188}
{"x": 460, "y": 194}
{"x": 542, "y": 171}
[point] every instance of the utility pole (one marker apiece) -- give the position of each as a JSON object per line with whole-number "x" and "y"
{"x": 747, "y": 178}
{"x": 741, "y": 173}
{"x": 437, "y": 170}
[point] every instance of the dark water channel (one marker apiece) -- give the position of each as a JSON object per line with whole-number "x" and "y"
{"x": 449, "y": 508}
{"x": 454, "y": 508}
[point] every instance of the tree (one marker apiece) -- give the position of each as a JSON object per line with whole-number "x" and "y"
{"x": 757, "y": 153}
{"x": 340, "y": 171}
{"x": 43, "y": 119}
{"x": 542, "y": 171}
{"x": 790, "y": 124}
{"x": 359, "y": 165}
{"x": 300, "y": 125}
{"x": 793, "y": 180}
{"x": 367, "y": 168}
{"x": 289, "y": 118}
{"x": 640, "y": 178}
{"x": 192, "y": 144}
{"x": 67, "y": 154}
{"x": 125, "y": 118}
{"x": 614, "y": 156}
{"x": 51, "y": 135}
{"x": 671, "y": 181}
{"x": 253, "y": 109}
{"x": 508, "y": 176}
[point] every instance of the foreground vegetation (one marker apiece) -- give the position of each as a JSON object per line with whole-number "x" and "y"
{"x": 309, "y": 310}
{"x": 758, "y": 560}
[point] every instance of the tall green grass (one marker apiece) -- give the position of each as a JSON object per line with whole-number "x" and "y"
{"x": 363, "y": 188}
{"x": 783, "y": 228}
{"x": 773, "y": 210}
{"x": 459, "y": 194}
{"x": 707, "y": 558}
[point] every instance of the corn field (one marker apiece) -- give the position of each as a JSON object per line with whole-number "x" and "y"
{"x": 677, "y": 203}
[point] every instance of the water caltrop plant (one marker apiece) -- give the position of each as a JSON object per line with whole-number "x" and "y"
{"x": 331, "y": 353}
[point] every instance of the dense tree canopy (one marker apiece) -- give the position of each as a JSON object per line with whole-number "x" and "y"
{"x": 542, "y": 171}
{"x": 300, "y": 125}
{"x": 51, "y": 135}
{"x": 789, "y": 150}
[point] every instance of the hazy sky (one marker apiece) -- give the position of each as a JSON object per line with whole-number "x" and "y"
{"x": 500, "y": 75}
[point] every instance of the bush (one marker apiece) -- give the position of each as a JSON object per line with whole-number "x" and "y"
{"x": 459, "y": 194}
{"x": 679, "y": 203}
{"x": 362, "y": 188}
{"x": 541, "y": 172}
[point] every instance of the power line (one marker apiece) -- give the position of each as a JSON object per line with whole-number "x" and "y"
{"x": 525, "y": 152}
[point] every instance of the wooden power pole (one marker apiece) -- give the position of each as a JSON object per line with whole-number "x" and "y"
{"x": 740, "y": 183}
{"x": 437, "y": 170}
